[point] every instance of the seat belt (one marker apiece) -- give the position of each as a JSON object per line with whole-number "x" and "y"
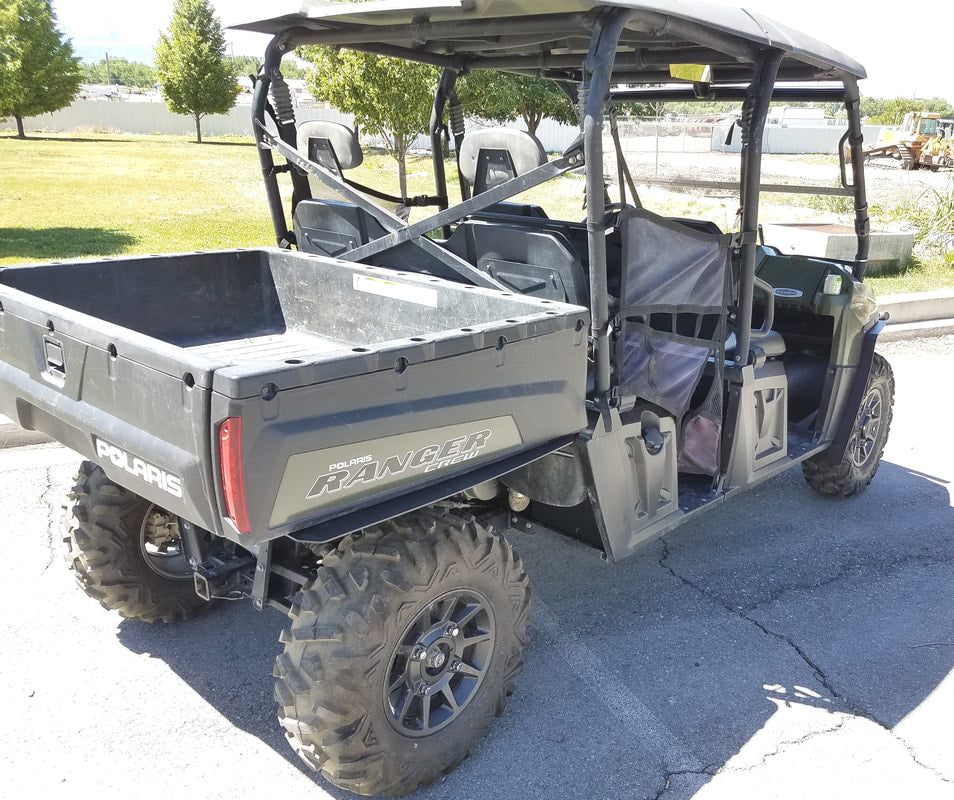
{"x": 625, "y": 178}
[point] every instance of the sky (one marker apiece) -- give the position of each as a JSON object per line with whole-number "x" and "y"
{"x": 900, "y": 63}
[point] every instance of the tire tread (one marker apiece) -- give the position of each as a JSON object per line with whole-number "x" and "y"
{"x": 321, "y": 685}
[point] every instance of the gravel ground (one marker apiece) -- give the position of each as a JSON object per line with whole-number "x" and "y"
{"x": 886, "y": 182}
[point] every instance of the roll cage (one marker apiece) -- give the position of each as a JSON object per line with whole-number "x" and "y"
{"x": 598, "y": 52}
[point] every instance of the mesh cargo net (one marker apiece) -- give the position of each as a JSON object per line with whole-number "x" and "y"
{"x": 673, "y": 323}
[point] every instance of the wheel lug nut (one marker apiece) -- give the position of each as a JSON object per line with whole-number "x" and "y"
{"x": 422, "y": 688}
{"x": 455, "y": 665}
{"x": 419, "y": 653}
{"x": 452, "y": 630}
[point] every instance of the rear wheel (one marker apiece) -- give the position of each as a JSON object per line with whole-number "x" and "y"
{"x": 127, "y": 552}
{"x": 866, "y": 445}
{"x": 402, "y": 651}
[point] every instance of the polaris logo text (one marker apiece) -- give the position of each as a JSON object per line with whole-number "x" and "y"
{"x": 151, "y": 474}
{"x": 432, "y": 457}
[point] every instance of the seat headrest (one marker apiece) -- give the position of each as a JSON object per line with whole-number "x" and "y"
{"x": 344, "y": 141}
{"x": 526, "y": 152}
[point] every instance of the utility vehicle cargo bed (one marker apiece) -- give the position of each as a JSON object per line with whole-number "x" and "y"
{"x": 357, "y": 390}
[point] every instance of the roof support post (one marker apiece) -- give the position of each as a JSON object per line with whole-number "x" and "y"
{"x": 594, "y": 92}
{"x": 445, "y": 87}
{"x": 760, "y": 95}
{"x": 273, "y": 58}
{"x": 856, "y": 142}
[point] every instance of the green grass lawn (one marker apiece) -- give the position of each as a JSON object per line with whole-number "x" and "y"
{"x": 101, "y": 195}
{"x": 88, "y": 195}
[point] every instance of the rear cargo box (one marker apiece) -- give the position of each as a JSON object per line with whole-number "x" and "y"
{"x": 355, "y": 386}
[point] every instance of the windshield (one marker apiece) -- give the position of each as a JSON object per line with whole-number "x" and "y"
{"x": 928, "y": 127}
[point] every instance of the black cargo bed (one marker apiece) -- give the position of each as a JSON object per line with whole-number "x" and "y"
{"x": 149, "y": 355}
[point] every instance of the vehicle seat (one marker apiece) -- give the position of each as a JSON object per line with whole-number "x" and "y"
{"x": 771, "y": 344}
{"x": 331, "y": 227}
{"x": 523, "y": 255}
{"x": 493, "y": 156}
{"x": 331, "y": 144}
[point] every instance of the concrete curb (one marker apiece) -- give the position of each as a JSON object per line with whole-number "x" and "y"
{"x": 911, "y": 316}
{"x": 12, "y": 435}
{"x": 918, "y": 306}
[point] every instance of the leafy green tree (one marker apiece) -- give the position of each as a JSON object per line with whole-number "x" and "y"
{"x": 890, "y": 112}
{"x": 244, "y": 65}
{"x": 191, "y": 65}
{"x": 120, "y": 72}
{"x": 389, "y": 97}
{"x": 38, "y": 71}
{"x": 248, "y": 65}
{"x": 504, "y": 96}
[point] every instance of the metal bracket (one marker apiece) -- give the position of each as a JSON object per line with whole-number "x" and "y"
{"x": 263, "y": 571}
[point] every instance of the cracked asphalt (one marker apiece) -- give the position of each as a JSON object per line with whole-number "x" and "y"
{"x": 784, "y": 646}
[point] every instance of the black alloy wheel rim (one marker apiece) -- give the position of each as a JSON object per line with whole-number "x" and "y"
{"x": 867, "y": 428}
{"x": 439, "y": 663}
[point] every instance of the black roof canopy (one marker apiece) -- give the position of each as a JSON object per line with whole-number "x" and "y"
{"x": 550, "y": 38}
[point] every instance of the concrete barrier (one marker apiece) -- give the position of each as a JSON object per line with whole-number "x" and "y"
{"x": 839, "y": 242}
{"x": 919, "y": 307}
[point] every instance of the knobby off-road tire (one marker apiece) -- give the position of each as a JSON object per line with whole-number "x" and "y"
{"x": 869, "y": 434}
{"x": 126, "y": 552}
{"x": 402, "y": 651}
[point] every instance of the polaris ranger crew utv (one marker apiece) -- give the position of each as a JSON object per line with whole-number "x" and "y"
{"x": 323, "y": 426}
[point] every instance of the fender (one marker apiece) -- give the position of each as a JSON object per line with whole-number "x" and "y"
{"x": 836, "y": 451}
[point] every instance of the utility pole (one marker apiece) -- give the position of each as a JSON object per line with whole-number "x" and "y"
{"x": 109, "y": 78}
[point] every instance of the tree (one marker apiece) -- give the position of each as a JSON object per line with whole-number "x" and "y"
{"x": 389, "y": 97}
{"x": 38, "y": 71}
{"x": 121, "y": 72}
{"x": 248, "y": 65}
{"x": 191, "y": 65}
{"x": 890, "y": 112}
{"x": 504, "y": 96}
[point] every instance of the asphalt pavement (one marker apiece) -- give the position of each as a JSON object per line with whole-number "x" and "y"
{"x": 783, "y": 646}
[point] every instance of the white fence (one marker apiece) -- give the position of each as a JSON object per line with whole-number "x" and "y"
{"x": 792, "y": 140}
{"x": 637, "y": 135}
{"x": 95, "y": 116}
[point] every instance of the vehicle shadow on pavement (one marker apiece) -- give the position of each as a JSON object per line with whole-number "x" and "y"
{"x": 774, "y": 618}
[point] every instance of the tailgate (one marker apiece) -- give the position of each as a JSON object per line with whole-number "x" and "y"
{"x": 136, "y": 406}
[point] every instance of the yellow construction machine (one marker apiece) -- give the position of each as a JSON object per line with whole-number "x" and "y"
{"x": 922, "y": 140}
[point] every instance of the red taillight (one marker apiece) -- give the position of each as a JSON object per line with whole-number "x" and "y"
{"x": 233, "y": 485}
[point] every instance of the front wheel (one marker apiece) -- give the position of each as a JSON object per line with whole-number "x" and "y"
{"x": 402, "y": 651}
{"x": 868, "y": 437}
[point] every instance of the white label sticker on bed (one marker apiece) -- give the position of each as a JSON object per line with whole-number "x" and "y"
{"x": 396, "y": 291}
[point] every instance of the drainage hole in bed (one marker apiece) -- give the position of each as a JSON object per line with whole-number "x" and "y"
{"x": 189, "y": 380}
{"x": 112, "y": 351}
